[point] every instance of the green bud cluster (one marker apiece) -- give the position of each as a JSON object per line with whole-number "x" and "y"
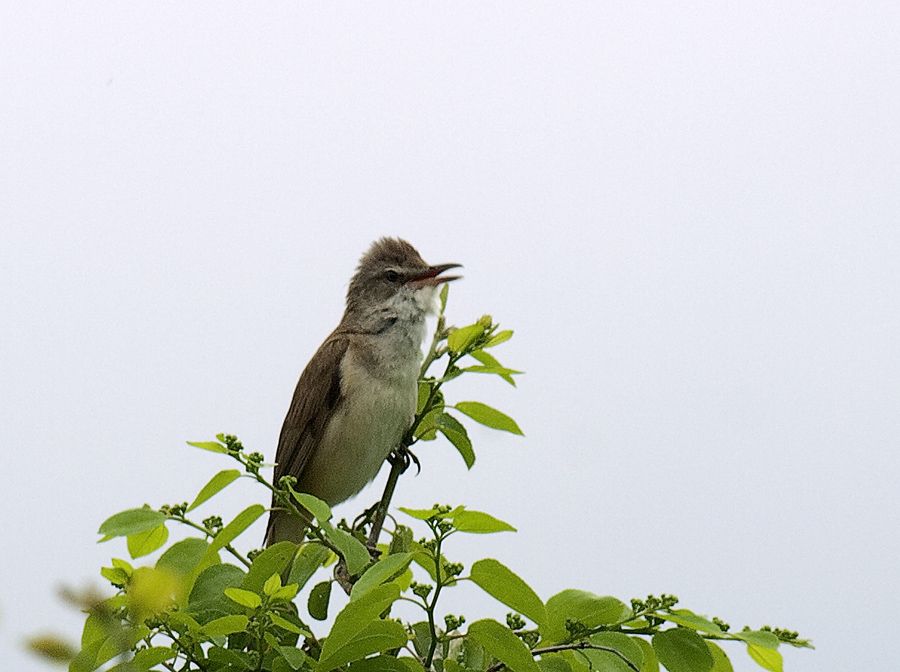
{"x": 173, "y": 510}
{"x": 213, "y": 525}
{"x": 781, "y": 633}
{"x": 653, "y": 603}
{"x": 530, "y": 637}
{"x": 254, "y": 462}
{"x": 454, "y": 622}
{"x": 444, "y": 526}
{"x": 287, "y": 482}
{"x": 576, "y": 628}
{"x": 514, "y": 621}
{"x": 232, "y": 443}
{"x": 722, "y": 624}
{"x": 421, "y": 589}
{"x": 453, "y": 568}
{"x": 401, "y": 540}
{"x": 254, "y": 553}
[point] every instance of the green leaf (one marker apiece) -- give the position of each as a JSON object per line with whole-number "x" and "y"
{"x": 503, "y": 584}
{"x": 354, "y": 551}
{"x": 231, "y": 531}
{"x": 649, "y": 662}
{"x": 226, "y": 625}
{"x": 490, "y": 364}
{"x": 183, "y": 556}
{"x": 208, "y": 593}
{"x": 682, "y": 650}
{"x": 317, "y": 602}
{"x": 502, "y": 644}
{"x": 761, "y": 638}
{"x": 294, "y": 657}
{"x": 144, "y": 543}
{"x": 427, "y": 427}
{"x": 421, "y": 639}
{"x": 766, "y": 658}
{"x": 272, "y": 585}
{"x": 227, "y": 659}
{"x": 114, "y": 575}
{"x": 424, "y": 391}
{"x": 271, "y": 561}
{"x": 390, "y": 663}
{"x": 318, "y": 508}
{"x": 625, "y": 650}
{"x": 691, "y": 620}
{"x": 243, "y": 597}
{"x": 422, "y": 514}
{"x": 554, "y": 662}
{"x": 216, "y": 483}
{"x": 499, "y": 337}
{"x": 456, "y": 434}
{"x": 309, "y": 558}
{"x": 146, "y": 659}
{"x": 212, "y": 446}
{"x": 490, "y": 417}
{"x": 445, "y": 291}
{"x": 286, "y": 593}
{"x": 357, "y": 615}
{"x": 384, "y": 570}
{"x": 462, "y": 338}
{"x": 285, "y": 624}
{"x": 129, "y": 522}
{"x": 580, "y": 605}
{"x": 720, "y": 659}
{"x": 375, "y": 637}
{"x": 478, "y": 522}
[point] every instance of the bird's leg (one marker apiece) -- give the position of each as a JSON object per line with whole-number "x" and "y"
{"x": 400, "y": 459}
{"x": 365, "y": 517}
{"x": 403, "y": 456}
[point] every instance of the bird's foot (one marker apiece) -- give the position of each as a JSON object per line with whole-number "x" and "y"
{"x": 403, "y": 456}
{"x": 365, "y": 517}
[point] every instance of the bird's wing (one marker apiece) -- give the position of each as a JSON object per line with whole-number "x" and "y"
{"x": 316, "y": 396}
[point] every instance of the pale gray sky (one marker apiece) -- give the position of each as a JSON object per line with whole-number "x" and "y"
{"x": 688, "y": 211}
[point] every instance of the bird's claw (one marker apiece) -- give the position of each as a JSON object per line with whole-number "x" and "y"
{"x": 403, "y": 456}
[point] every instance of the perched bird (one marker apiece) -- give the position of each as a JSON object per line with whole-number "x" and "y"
{"x": 357, "y": 396}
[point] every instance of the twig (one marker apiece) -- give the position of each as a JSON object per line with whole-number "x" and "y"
{"x": 576, "y": 646}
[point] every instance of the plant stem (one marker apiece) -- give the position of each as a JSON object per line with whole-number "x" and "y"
{"x": 228, "y": 547}
{"x": 576, "y": 646}
{"x": 437, "y": 592}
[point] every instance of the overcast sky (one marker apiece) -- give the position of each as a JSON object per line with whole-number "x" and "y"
{"x": 687, "y": 211}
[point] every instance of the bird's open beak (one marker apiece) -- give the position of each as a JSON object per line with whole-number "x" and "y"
{"x": 432, "y": 277}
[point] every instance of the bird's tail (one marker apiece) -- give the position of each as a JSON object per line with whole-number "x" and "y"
{"x": 284, "y": 527}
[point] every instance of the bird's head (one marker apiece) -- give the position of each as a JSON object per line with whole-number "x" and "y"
{"x": 393, "y": 272}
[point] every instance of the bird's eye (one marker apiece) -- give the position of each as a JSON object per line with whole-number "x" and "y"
{"x": 392, "y": 275}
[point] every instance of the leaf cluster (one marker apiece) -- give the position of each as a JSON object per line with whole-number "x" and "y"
{"x": 206, "y": 605}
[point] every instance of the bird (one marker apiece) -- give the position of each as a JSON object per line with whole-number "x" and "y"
{"x": 356, "y": 398}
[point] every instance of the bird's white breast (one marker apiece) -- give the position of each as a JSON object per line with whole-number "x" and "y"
{"x": 379, "y": 389}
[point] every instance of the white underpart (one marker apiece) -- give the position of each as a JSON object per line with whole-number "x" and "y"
{"x": 380, "y": 400}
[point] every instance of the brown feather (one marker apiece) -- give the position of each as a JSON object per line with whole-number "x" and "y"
{"x": 316, "y": 396}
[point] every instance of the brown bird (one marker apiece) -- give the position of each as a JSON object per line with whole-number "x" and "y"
{"x": 357, "y": 396}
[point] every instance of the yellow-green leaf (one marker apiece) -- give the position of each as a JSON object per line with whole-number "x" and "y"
{"x": 144, "y": 543}
{"x": 215, "y": 484}
{"x": 490, "y": 417}
{"x": 460, "y": 339}
{"x": 243, "y": 597}
{"x": 768, "y": 659}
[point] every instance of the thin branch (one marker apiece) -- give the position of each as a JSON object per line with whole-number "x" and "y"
{"x": 575, "y": 646}
{"x": 228, "y": 547}
{"x": 397, "y": 468}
